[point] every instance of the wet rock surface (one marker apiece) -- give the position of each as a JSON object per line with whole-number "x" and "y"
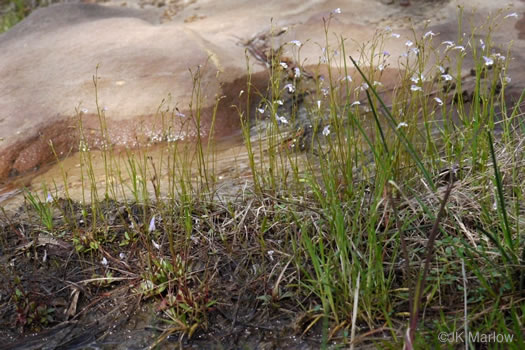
{"x": 50, "y": 58}
{"x": 145, "y": 50}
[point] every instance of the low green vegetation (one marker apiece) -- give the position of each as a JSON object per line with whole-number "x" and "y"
{"x": 13, "y": 11}
{"x": 367, "y": 221}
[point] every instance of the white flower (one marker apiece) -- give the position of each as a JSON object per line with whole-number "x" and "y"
{"x": 507, "y": 79}
{"x": 459, "y": 47}
{"x": 84, "y": 110}
{"x": 105, "y": 108}
{"x": 499, "y": 56}
{"x": 49, "y": 199}
{"x": 409, "y": 43}
{"x": 296, "y": 42}
{"x": 297, "y": 72}
{"x": 377, "y": 83}
{"x": 326, "y": 130}
{"x": 152, "y": 227}
{"x": 281, "y": 120}
{"x": 179, "y": 114}
{"x": 388, "y": 29}
{"x": 122, "y": 256}
{"x": 104, "y": 261}
{"x": 355, "y": 103}
{"x": 438, "y": 100}
{"x": 270, "y": 254}
{"x": 337, "y": 11}
{"x": 429, "y": 34}
{"x": 441, "y": 69}
{"x": 290, "y": 88}
{"x": 260, "y": 110}
{"x": 386, "y": 53}
{"x": 482, "y": 43}
{"x": 395, "y": 35}
{"x": 414, "y": 50}
{"x": 416, "y": 88}
{"x": 349, "y": 78}
{"x": 488, "y": 61}
{"x": 279, "y": 102}
{"x": 381, "y": 67}
{"x": 155, "y": 244}
{"x": 448, "y": 43}
{"x": 324, "y": 91}
{"x": 415, "y": 79}
{"x": 402, "y": 125}
{"x": 318, "y": 104}
{"x": 284, "y": 65}
{"x": 364, "y": 87}
{"x": 513, "y": 14}
{"x": 446, "y": 77}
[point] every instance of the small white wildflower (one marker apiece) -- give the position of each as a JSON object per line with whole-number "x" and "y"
{"x": 241, "y": 92}
{"x": 296, "y": 42}
{"x": 297, "y": 72}
{"x": 318, "y": 104}
{"x": 488, "y": 61}
{"x": 290, "y": 88}
{"x": 279, "y": 102}
{"x": 349, "y": 78}
{"x": 513, "y": 14}
{"x": 395, "y": 35}
{"x": 180, "y": 115}
{"x": 499, "y": 57}
{"x": 416, "y": 88}
{"x": 507, "y": 79}
{"x": 284, "y": 65}
{"x": 355, "y": 103}
{"x": 105, "y": 108}
{"x": 388, "y": 29}
{"x": 446, "y": 77}
{"x": 448, "y": 43}
{"x": 337, "y": 11}
{"x": 325, "y": 91}
{"x": 84, "y": 110}
{"x": 430, "y": 34}
{"x": 381, "y": 67}
{"x": 377, "y": 83}
{"x": 386, "y": 53}
{"x": 152, "y": 227}
{"x": 260, "y": 110}
{"x": 104, "y": 261}
{"x": 414, "y": 50}
{"x": 438, "y": 100}
{"x": 364, "y": 86}
{"x": 402, "y": 125}
{"x": 482, "y": 44}
{"x": 122, "y": 256}
{"x": 281, "y": 120}
{"x": 270, "y": 254}
{"x": 49, "y": 199}
{"x": 441, "y": 69}
{"x": 415, "y": 79}
{"x": 459, "y": 47}
{"x": 155, "y": 244}
{"x": 409, "y": 43}
{"x": 326, "y": 130}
